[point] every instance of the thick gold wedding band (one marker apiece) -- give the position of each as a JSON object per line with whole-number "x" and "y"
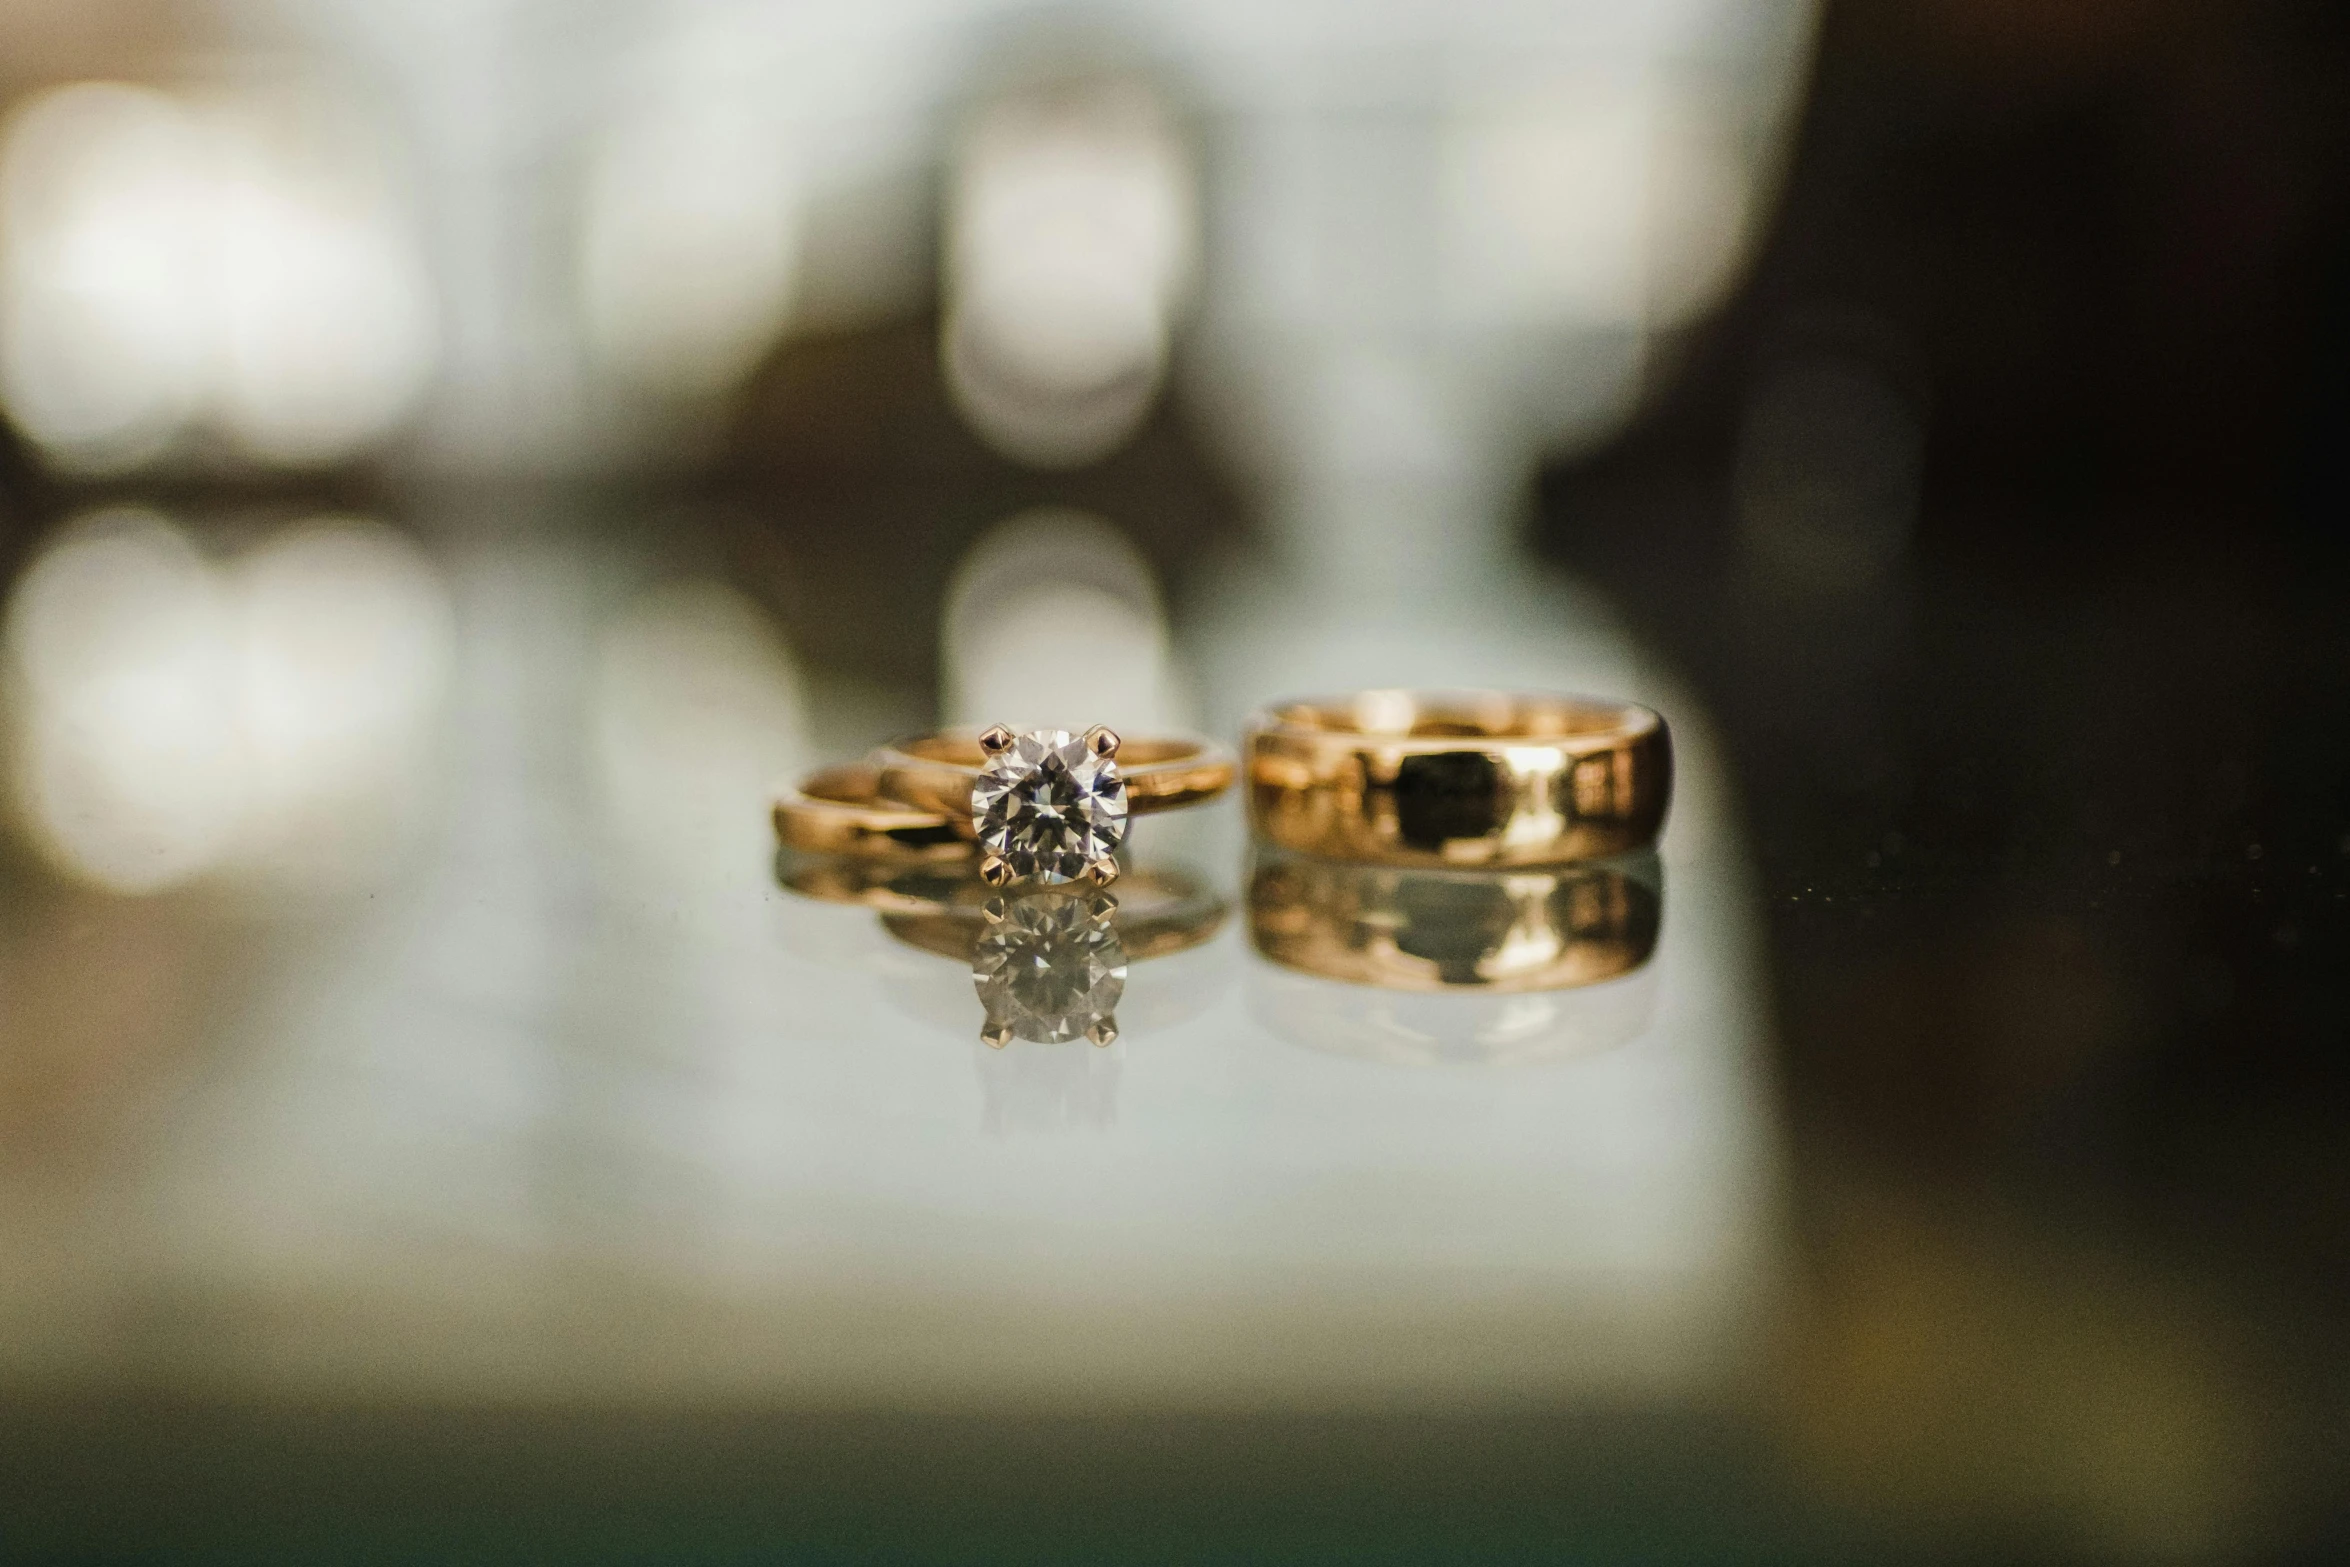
{"x": 1431, "y": 930}
{"x": 1044, "y": 804}
{"x": 1458, "y": 778}
{"x": 840, "y": 810}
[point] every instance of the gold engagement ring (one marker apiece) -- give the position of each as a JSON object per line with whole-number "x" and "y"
{"x": 1043, "y": 804}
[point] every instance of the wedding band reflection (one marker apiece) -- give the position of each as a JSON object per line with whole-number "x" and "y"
{"x": 1457, "y": 966}
{"x": 1049, "y": 964}
{"x": 883, "y": 885}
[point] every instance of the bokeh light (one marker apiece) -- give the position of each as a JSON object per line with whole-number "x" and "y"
{"x": 234, "y": 264}
{"x": 122, "y": 647}
{"x": 699, "y": 710}
{"x": 1609, "y": 199}
{"x": 321, "y": 310}
{"x": 102, "y": 336}
{"x": 347, "y": 643}
{"x": 171, "y": 716}
{"x": 690, "y": 250}
{"x": 1070, "y": 244}
{"x": 1054, "y": 619}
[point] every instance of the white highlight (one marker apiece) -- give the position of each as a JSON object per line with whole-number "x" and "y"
{"x": 123, "y": 648}
{"x": 235, "y": 265}
{"x": 1053, "y": 621}
{"x": 699, "y": 712}
{"x": 689, "y": 261}
{"x": 103, "y": 347}
{"x": 172, "y": 717}
{"x": 1070, "y": 246}
{"x": 1598, "y": 201}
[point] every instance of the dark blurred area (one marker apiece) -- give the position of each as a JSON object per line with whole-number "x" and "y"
{"x": 1994, "y": 510}
{"x": 2042, "y": 745}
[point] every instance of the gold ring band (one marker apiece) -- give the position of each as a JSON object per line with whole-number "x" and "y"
{"x": 1462, "y": 779}
{"x": 1497, "y": 931}
{"x": 840, "y": 810}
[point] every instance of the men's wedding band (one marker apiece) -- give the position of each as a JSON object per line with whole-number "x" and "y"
{"x": 1462, "y": 779}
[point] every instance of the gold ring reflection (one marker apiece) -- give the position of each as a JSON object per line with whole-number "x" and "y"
{"x": 1049, "y": 964}
{"x": 887, "y": 886}
{"x": 1495, "y": 931}
{"x": 1154, "y": 913}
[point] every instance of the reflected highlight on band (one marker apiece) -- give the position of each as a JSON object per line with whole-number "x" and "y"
{"x": 1455, "y": 968}
{"x": 1444, "y": 930}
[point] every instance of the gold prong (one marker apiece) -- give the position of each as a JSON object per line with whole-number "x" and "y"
{"x": 1104, "y": 870}
{"x": 1102, "y": 906}
{"x": 995, "y": 1035}
{"x": 1102, "y": 741}
{"x": 1103, "y": 1033}
{"x": 995, "y": 908}
{"x": 995, "y": 738}
{"x": 996, "y": 871}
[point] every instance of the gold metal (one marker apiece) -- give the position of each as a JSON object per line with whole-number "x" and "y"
{"x": 1104, "y": 1033}
{"x": 995, "y": 871}
{"x": 1156, "y": 913}
{"x": 1103, "y": 871}
{"x": 994, "y": 738}
{"x": 840, "y": 810}
{"x": 933, "y": 773}
{"x": 996, "y": 1035}
{"x": 889, "y": 885}
{"x": 1495, "y": 931}
{"x": 1102, "y": 741}
{"x": 1462, "y": 779}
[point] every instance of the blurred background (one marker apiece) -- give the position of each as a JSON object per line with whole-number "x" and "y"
{"x": 459, "y": 454}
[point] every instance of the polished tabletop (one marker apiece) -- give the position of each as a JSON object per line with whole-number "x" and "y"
{"x": 577, "y": 1100}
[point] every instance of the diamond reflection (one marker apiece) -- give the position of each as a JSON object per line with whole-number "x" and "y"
{"x": 1050, "y": 968}
{"x": 1049, "y": 963}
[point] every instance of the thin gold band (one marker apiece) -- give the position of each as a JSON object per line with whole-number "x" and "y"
{"x": 1458, "y": 779}
{"x": 840, "y": 810}
{"x": 934, "y": 773}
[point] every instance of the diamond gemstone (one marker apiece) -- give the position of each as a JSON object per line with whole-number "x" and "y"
{"x": 1048, "y": 807}
{"x": 1049, "y": 966}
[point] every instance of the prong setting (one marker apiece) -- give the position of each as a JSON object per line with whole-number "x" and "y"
{"x": 1104, "y": 871}
{"x": 996, "y": 871}
{"x": 1050, "y": 803}
{"x": 995, "y": 739}
{"x": 1103, "y": 1033}
{"x": 995, "y": 1034}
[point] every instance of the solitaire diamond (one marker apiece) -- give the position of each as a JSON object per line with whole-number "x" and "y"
{"x": 1049, "y": 968}
{"x": 1048, "y": 807}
